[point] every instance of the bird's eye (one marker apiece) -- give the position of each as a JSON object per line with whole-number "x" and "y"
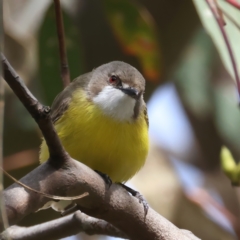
{"x": 114, "y": 80}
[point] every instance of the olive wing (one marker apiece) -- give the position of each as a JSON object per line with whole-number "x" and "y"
{"x": 63, "y": 99}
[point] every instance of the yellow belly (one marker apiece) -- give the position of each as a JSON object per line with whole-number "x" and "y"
{"x": 118, "y": 149}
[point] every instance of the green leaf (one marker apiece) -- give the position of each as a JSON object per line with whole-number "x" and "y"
{"x": 193, "y": 74}
{"x": 226, "y": 113}
{"x": 212, "y": 28}
{"x": 136, "y": 32}
{"x": 49, "y": 60}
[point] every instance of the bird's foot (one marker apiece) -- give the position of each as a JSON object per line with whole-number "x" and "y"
{"x": 105, "y": 177}
{"x": 139, "y": 196}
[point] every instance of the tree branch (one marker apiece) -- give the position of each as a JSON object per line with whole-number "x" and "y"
{"x": 61, "y": 41}
{"x": 213, "y": 8}
{"x": 40, "y": 113}
{"x": 63, "y": 227}
{"x": 113, "y": 205}
{"x": 230, "y": 18}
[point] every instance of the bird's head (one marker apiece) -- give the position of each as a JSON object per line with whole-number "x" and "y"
{"x": 117, "y": 89}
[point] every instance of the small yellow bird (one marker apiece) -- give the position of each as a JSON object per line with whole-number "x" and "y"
{"x": 101, "y": 120}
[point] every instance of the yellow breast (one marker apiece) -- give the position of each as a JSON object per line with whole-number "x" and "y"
{"x": 118, "y": 149}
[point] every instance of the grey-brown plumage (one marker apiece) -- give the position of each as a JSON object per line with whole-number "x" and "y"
{"x": 62, "y": 100}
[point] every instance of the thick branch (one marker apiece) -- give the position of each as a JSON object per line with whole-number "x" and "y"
{"x": 39, "y": 112}
{"x": 63, "y": 227}
{"x": 113, "y": 205}
{"x": 61, "y": 41}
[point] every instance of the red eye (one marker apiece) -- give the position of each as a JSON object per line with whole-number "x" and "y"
{"x": 113, "y": 79}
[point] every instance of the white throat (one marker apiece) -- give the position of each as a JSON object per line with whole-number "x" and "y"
{"x": 115, "y": 103}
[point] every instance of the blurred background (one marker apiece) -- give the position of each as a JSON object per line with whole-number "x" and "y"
{"x": 191, "y": 95}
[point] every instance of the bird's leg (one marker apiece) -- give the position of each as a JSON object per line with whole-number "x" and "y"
{"x": 105, "y": 177}
{"x": 139, "y": 196}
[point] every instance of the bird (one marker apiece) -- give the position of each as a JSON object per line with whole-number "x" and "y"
{"x": 101, "y": 119}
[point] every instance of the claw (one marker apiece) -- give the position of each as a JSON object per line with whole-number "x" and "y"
{"x": 105, "y": 177}
{"x": 139, "y": 196}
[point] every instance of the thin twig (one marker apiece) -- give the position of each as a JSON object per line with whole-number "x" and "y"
{"x": 65, "y": 74}
{"x": 64, "y": 227}
{"x": 212, "y": 6}
{"x": 45, "y": 194}
{"x": 230, "y": 18}
{"x": 219, "y": 13}
{"x": 234, "y": 3}
{"x": 40, "y": 113}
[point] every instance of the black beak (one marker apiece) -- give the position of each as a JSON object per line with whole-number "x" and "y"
{"x": 132, "y": 92}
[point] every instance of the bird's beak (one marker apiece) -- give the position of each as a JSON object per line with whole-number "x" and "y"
{"x": 132, "y": 92}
